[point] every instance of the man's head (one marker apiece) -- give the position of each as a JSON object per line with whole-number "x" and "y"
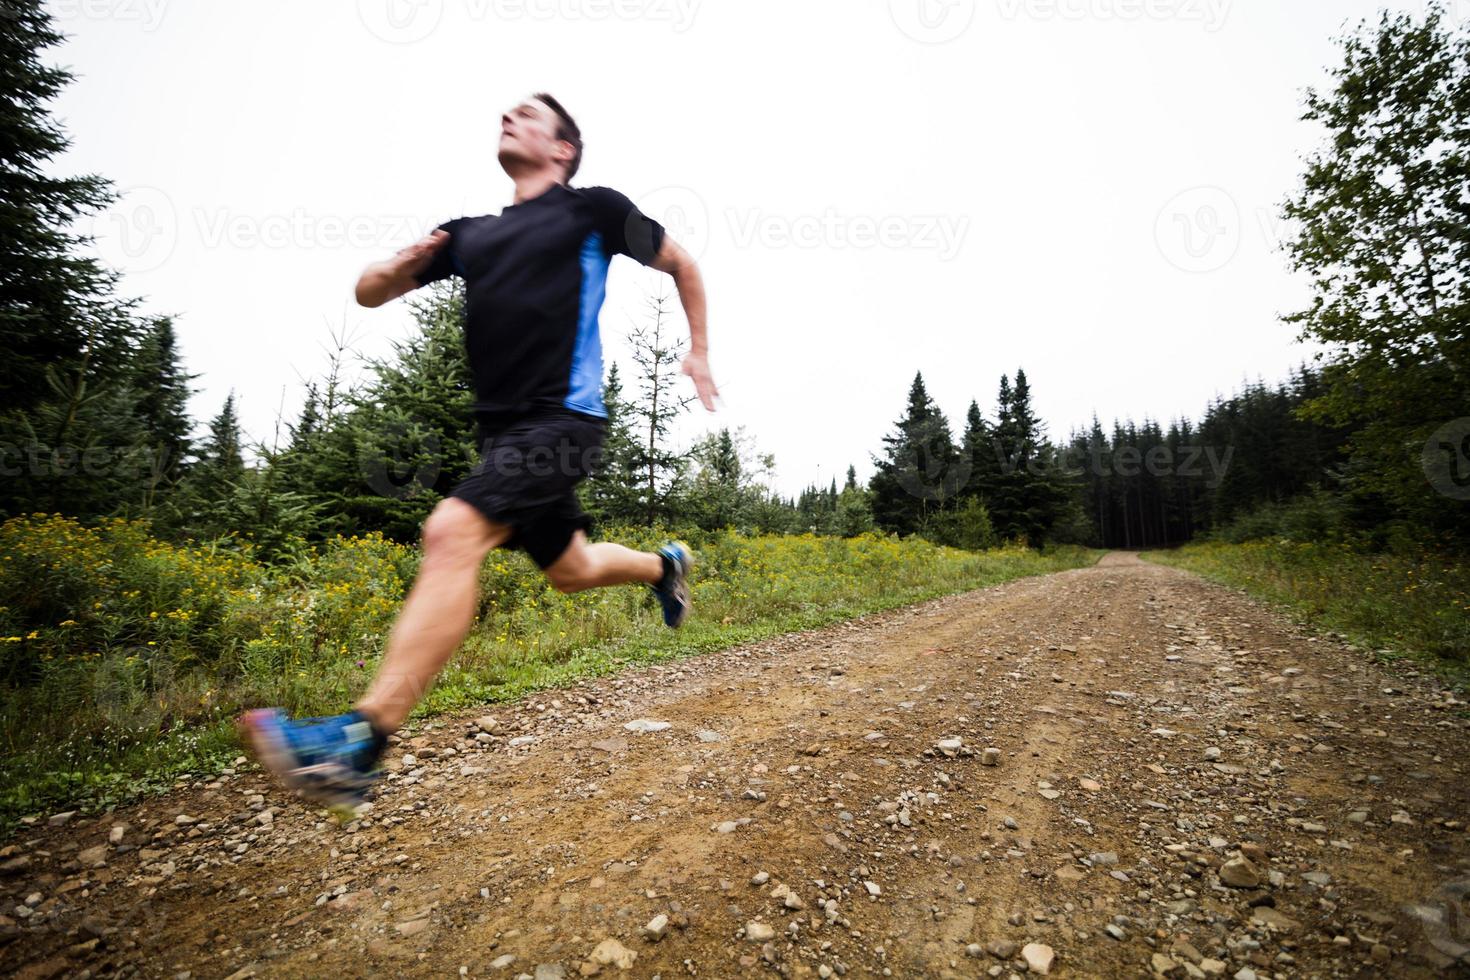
{"x": 539, "y": 133}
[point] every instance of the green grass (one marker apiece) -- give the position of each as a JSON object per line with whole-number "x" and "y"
{"x": 123, "y": 659}
{"x": 1396, "y": 605}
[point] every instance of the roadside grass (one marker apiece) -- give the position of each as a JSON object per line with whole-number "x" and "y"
{"x": 1396, "y": 605}
{"x": 124, "y": 659}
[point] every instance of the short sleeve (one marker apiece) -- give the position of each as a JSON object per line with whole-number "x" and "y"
{"x": 625, "y": 229}
{"x": 444, "y": 262}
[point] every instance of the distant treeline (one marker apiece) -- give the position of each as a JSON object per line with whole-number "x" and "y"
{"x": 1372, "y": 445}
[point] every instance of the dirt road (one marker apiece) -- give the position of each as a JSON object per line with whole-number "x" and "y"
{"x": 1185, "y": 785}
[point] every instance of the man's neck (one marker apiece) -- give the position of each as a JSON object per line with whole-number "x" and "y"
{"x": 534, "y": 185}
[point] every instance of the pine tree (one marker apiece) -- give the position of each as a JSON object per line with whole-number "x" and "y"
{"x": 921, "y": 469}
{"x": 56, "y": 304}
{"x": 161, "y": 387}
{"x": 611, "y": 494}
{"x": 653, "y": 412}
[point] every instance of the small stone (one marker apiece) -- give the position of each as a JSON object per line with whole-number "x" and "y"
{"x": 1274, "y": 920}
{"x": 949, "y": 746}
{"x": 760, "y": 878}
{"x": 60, "y": 819}
{"x": 726, "y": 827}
{"x": 115, "y": 835}
{"x": 647, "y": 725}
{"x": 610, "y": 952}
{"x": 1162, "y": 965}
{"x": 1091, "y": 785}
{"x": 873, "y": 888}
{"x": 656, "y": 928}
{"x": 501, "y": 962}
{"x": 759, "y": 932}
{"x": 1240, "y": 873}
{"x": 93, "y": 857}
{"x": 1212, "y": 754}
{"x": 1038, "y": 957}
{"x": 1212, "y": 967}
{"x": 990, "y": 757}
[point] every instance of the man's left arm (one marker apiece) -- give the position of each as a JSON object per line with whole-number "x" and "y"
{"x": 673, "y": 259}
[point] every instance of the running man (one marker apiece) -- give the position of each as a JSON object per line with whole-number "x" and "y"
{"x": 534, "y": 282}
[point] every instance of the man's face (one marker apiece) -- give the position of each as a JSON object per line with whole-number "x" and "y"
{"x": 528, "y": 137}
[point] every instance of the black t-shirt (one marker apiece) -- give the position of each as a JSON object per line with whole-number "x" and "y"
{"x": 535, "y": 276}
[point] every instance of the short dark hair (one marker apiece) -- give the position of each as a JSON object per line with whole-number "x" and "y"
{"x": 566, "y": 129}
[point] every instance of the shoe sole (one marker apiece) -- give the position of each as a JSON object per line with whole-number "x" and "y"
{"x": 686, "y": 565}
{"x": 264, "y": 742}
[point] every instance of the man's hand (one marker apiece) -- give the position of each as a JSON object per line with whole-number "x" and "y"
{"x": 388, "y": 280}
{"x": 697, "y": 367}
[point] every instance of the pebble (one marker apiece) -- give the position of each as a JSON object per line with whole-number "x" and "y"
{"x": 873, "y": 888}
{"x": 759, "y": 932}
{"x": 1240, "y": 873}
{"x": 1038, "y": 957}
{"x": 647, "y": 725}
{"x": 610, "y": 952}
{"x": 656, "y": 927}
{"x": 990, "y": 757}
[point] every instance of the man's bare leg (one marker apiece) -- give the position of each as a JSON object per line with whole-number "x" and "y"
{"x": 437, "y": 614}
{"x": 587, "y": 566}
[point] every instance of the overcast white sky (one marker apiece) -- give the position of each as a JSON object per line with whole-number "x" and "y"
{"x": 1084, "y": 188}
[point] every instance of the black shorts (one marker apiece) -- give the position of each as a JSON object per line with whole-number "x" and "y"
{"x": 527, "y": 478}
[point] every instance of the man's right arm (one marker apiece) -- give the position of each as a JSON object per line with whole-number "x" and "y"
{"x": 385, "y": 281}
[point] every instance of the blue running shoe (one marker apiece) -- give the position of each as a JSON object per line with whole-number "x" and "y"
{"x": 330, "y": 761}
{"x": 673, "y": 589}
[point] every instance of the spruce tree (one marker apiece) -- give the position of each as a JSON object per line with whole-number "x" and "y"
{"x": 56, "y": 303}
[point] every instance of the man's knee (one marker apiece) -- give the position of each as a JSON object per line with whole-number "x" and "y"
{"x": 573, "y": 571}
{"x": 455, "y": 531}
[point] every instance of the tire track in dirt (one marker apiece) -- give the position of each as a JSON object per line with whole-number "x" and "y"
{"x": 1341, "y": 786}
